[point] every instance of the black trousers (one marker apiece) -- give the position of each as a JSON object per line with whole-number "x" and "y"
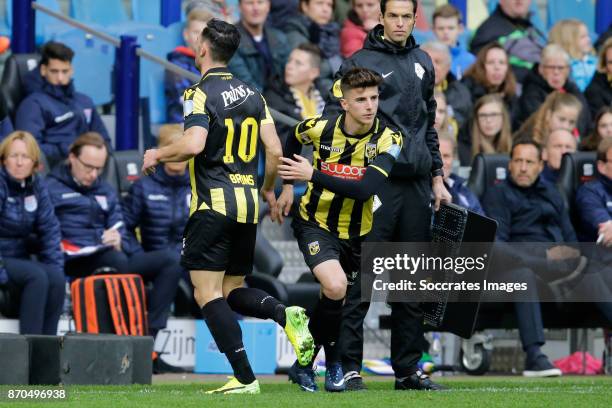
{"x": 404, "y": 216}
{"x": 42, "y": 294}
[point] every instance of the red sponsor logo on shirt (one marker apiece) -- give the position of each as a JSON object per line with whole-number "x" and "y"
{"x": 344, "y": 171}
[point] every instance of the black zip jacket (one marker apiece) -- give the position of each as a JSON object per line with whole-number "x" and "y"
{"x": 406, "y": 100}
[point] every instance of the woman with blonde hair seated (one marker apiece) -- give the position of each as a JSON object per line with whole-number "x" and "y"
{"x": 28, "y": 226}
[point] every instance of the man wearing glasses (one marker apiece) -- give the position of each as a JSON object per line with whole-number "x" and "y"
{"x": 552, "y": 74}
{"x": 88, "y": 209}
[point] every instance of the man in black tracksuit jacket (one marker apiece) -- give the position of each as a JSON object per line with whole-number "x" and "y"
{"x": 404, "y": 215}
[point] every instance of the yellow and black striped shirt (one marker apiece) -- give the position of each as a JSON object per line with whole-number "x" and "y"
{"x": 341, "y": 155}
{"x": 224, "y": 175}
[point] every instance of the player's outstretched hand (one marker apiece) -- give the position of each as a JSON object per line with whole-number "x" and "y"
{"x": 270, "y": 198}
{"x": 299, "y": 169}
{"x": 149, "y": 162}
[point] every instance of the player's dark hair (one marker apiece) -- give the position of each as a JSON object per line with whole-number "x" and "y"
{"x": 526, "y": 141}
{"x": 383, "y": 5}
{"x": 359, "y": 78}
{"x": 55, "y": 50}
{"x": 223, "y": 39}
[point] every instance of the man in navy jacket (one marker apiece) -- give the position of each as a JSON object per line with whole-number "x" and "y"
{"x": 54, "y": 112}
{"x": 529, "y": 210}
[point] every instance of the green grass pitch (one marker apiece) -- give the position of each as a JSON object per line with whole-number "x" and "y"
{"x": 463, "y": 392}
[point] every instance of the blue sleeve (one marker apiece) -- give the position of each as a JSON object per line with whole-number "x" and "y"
{"x": 31, "y": 118}
{"x": 48, "y": 230}
{"x": 591, "y": 210}
{"x": 132, "y": 214}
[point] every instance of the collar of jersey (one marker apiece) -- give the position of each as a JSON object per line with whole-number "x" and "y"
{"x": 217, "y": 71}
{"x": 373, "y": 129}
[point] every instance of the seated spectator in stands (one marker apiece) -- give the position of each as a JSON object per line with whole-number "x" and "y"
{"x": 315, "y": 25}
{"x": 447, "y": 27}
{"x": 159, "y": 206}
{"x": 573, "y": 36}
{"x": 88, "y": 209}
{"x": 282, "y": 11}
{"x": 593, "y": 200}
{"x": 487, "y": 132}
{"x": 558, "y": 142}
{"x": 491, "y": 73}
{"x": 184, "y": 57}
{"x": 549, "y": 76}
{"x": 56, "y": 114}
{"x": 510, "y": 24}
{"x": 217, "y": 8}
{"x": 455, "y": 185}
{"x": 263, "y": 51}
{"x": 28, "y": 227}
{"x": 362, "y": 17}
{"x": 530, "y": 210}
{"x": 603, "y": 130}
{"x": 599, "y": 92}
{"x": 457, "y": 94}
{"x": 444, "y": 124}
{"x": 559, "y": 111}
{"x": 299, "y": 95}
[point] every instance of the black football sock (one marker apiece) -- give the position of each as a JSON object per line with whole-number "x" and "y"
{"x": 257, "y": 303}
{"x": 226, "y": 331}
{"x": 325, "y": 326}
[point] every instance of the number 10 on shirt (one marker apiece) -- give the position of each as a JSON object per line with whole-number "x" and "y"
{"x": 247, "y": 145}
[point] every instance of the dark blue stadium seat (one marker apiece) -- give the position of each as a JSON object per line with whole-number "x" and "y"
{"x": 129, "y": 163}
{"x": 487, "y": 170}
